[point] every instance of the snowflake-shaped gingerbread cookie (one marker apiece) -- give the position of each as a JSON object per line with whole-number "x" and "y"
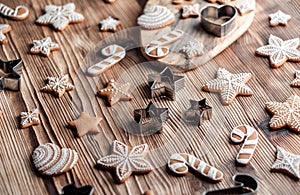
{"x": 280, "y": 51}
{"x": 125, "y": 161}
{"x": 58, "y": 86}
{"x": 109, "y": 24}
{"x": 30, "y": 118}
{"x": 279, "y": 18}
{"x": 44, "y": 46}
{"x": 192, "y": 49}
{"x": 60, "y": 16}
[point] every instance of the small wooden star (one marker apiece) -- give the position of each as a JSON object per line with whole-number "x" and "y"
{"x": 115, "y": 92}
{"x": 58, "y": 85}
{"x": 279, "y": 18}
{"x": 287, "y": 162}
{"x": 30, "y": 118}
{"x": 165, "y": 84}
{"x": 198, "y": 112}
{"x": 190, "y": 10}
{"x": 296, "y": 81}
{"x": 85, "y": 124}
{"x": 44, "y": 46}
{"x": 4, "y": 28}
{"x": 71, "y": 189}
{"x": 151, "y": 118}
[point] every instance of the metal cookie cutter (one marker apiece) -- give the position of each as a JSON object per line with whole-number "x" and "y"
{"x": 245, "y": 185}
{"x": 218, "y": 20}
{"x": 198, "y": 112}
{"x": 10, "y": 74}
{"x": 151, "y": 119}
{"x": 165, "y": 84}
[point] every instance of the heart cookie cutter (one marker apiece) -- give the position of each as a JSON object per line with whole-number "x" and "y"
{"x": 218, "y": 20}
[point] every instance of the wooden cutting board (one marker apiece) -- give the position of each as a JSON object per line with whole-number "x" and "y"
{"x": 213, "y": 45}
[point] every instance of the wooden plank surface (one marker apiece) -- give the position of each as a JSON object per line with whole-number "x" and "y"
{"x": 211, "y": 142}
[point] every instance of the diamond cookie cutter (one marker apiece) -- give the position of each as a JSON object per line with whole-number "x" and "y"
{"x": 245, "y": 185}
{"x": 10, "y": 74}
{"x": 151, "y": 119}
{"x": 218, "y": 20}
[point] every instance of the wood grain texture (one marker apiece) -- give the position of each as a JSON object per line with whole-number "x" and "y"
{"x": 210, "y": 142}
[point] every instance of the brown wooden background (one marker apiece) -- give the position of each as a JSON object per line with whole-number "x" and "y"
{"x": 17, "y": 172}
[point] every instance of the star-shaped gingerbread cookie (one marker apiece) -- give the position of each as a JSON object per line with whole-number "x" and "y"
{"x": 280, "y": 51}
{"x": 285, "y": 113}
{"x": 44, "y": 46}
{"x": 30, "y": 118}
{"x": 229, "y": 85}
{"x": 190, "y": 10}
{"x": 85, "y": 124}
{"x": 115, "y": 92}
{"x": 4, "y": 28}
{"x": 287, "y": 162}
{"x": 60, "y": 16}
{"x": 279, "y": 18}
{"x": 109, "y": 24}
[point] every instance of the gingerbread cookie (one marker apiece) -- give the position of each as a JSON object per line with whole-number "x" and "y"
{"x": 30, "y": 118}
{"x": 296, "y": 81}
{"x": 85, "y": 123}
{"x": 44, "y": 46}
{"x": 109, "y": 24}
{"x": 229, "y": 85}
{"x": 287, "y": 163}
{"x": 49, "y": 159}
{"x": 244, "y": 8}
{"x": 279, "y": 18}
{"x": 109, "y": 1}
{"x": 250, "y": 135}
{"x": 126, "y": 160}
{"x": 115, "y": 53}
{"x": 155, "y": 17}
{"x": 19, "y": 13}
{"x": 180, "y": 1}
{"x": 180, "y": 163}
{"x": 4, "y": 28}
{"x": 193, "y": 49}
{"x": 280, "y": 51}
{"x": 190, "y": 11}
{"x": 60, "y": 16}
{"x": 115, "y": 92}
{"x": 285, "y": 114}
{"x": 58, "y": 85}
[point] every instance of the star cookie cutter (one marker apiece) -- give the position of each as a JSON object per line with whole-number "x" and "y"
{"x": 218, "y": 20}
{"x": 198, "y": 112}
{"x": 10, "y": 74}
{"x": 151, "y": 119}
{"x": 165, "y": 83}
{"x": 245, "y": 185}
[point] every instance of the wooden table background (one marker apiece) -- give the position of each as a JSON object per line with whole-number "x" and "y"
{"x": 17, "y": 172}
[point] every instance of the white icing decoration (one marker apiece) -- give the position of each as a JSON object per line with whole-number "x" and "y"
{"x": 44, "y": 46}
{"x": 279, "y": 18}
{"x": 58, "y": 85}
{"x": 193, "y": 49}
{"x": 286, "y": 113}
{"x": 49, "y": 159}
{"x": 280, "y": 51}
{"x": 249, "y": 145}
{"x": 115, "y": 54}
{"x": 155, "y": 17}
{"x": 31, "y": 117}
{"x": 126, "y": 160}
{"x": 109, "y": 24}
{"x": 60, "y": 16}
{"x": 185, "y": 161}
{"x": 229, "y": 85}
{"x": 287, "y": 162}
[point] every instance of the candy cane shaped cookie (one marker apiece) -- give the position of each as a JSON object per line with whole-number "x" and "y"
{"x": 249, "y": 134}
{"x": 158, "y": 49}
{"x": 179, "y": 163}
{"x": 19, "y": 13}
{"x": 115, "y": 52}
